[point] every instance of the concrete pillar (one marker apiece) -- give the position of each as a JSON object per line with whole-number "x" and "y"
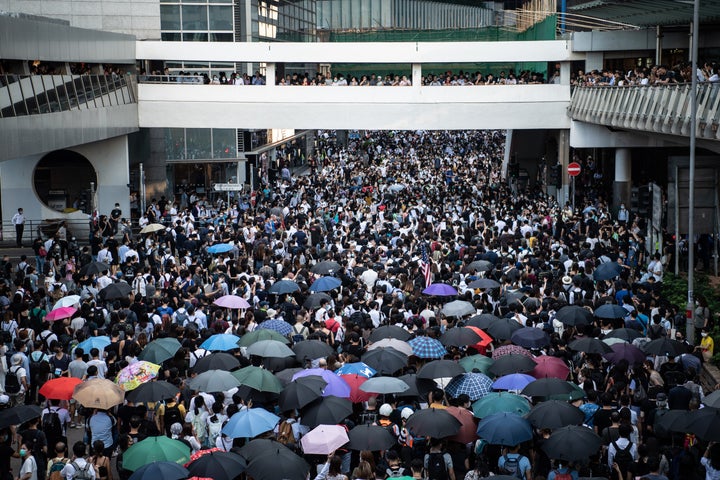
{"x": 157, "y": 182}
{"x": 565, "y": 73}
{"x": 623, "y": 182}
{"x": 270, "y": 75}
{"x": 417, "y": 75}
{"x": 593, "y": 61}
{"x": 563, "y": 194}
{"x": 658, "y": 45}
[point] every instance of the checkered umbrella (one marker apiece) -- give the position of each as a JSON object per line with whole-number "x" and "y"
{"x": 475, "y": 385}
{"x": 426, "y": 347}
{"x": 280, "y": 326}
{"x": 510, "y": 349}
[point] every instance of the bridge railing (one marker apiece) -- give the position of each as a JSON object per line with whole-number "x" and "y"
{"x": 660, "y": 109}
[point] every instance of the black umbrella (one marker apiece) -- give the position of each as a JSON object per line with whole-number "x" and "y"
{"x": 18, "y": 415}
{"x": 327, "y": 411}
{"x": 573, "y": 315}
{"x": 512, "y": 363}
{"x": 115, "y": 291}
{"x": 418, "y": 386}
{"x": 327, "y": 267}
{"x": 503, "y": 328}
{"x": 313, "y": 301}
{"x": 572, "y": 443}
{"x": 705, "y": 423}
{"x": 610, "y": 311}
{"x": 385, "y": 360}
{"x": 484, "y": 283}
{"x": 530, "y": 337}
{"x": 664, "y": 346}
{"x": 484, "y": 320}
{"x": 607, "y": 271}
{"x": 546, "y": 387}
{"x": 301, "y": 392}
{"x": 286, "y": 376}
{"x": 216, "y": 361}
{"x": 669, "y": 421}
{"x": 258, "y": 447}
{"x": 627, "y": 334}
{"x": 370, "y": 437}
{"x": 218, "y": 466}
{"x": 283, "y": 286}
{"x": 311, "y": 349}
{"x": 433, "y": 422}
{"x": 590, "y": 345}
{"x": 712, "y": 400}
{"x": 153, "y": 392}
{"x": 160, "y": 471}
{"x": 258, "y": 397}
{"x": 480, "y": 266}
{"x": 459, "y": 337}
{"x": 277, "y": 364}
{"x": 440, "y": 369}
{"x": 94, "y": 268}
{"x": 554, "y": 414}
{"x": 277, "y": 462}
{"x": 389, "y": 331}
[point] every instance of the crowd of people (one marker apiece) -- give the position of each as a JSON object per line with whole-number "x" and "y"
{"x": 412, "y": 210}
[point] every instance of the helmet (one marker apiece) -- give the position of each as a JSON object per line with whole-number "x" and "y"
{"x": 385, "y": 410}
{"x": 405, "y": 413}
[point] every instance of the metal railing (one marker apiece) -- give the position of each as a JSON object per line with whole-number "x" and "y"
{"x": 661, "y": 109}
{"x": 38, "y": 94}
{"x": 185, "y": 79}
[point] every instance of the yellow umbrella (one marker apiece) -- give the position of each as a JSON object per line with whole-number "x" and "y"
{"x": 98, "y": 393}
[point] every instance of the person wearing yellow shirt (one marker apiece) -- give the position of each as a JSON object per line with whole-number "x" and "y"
{"x": 707, "y": 344}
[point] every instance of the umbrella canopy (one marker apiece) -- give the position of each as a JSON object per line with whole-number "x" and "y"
{"x": 313, "y": 301}
{"x": 155, "y": 449}
{"x": 249, "y": 423}
{"x": 418, "y": 386}
{"x": 484, "y": 320}
{"x": 153, "y": 392}
{"x": 576, "y": 393}
{"x": 371, "y": 437}
{"x": 495, "y": 402}
{"x": 610, "y": 311}
{"x": 590, "y": 345}
{"x": 217, "y": 465}
{"x": 160, "y": 350}
{"x": 530, "y": 337}
{"x": 503, "y": 328}
{"x": 270, "y": 348}
{"x": 468, "y": 428}
{"x": 474, "y": 385}
{"x": 115, "y": 291}
{"x": 18, "y": 415}
{"x": 385, "y": 360}
{"x": 480, "y": 266}
{"x": 67, "y": 301}
{"x": 60, "y": 314}
{"x": 259, "y": 446}
{"x": 216, "y": 361}
{"x": 357, "y": 368}
{"x": 336, "y": 386}
{"x": 384, "y": 385}
{"x": 277, "y": 462}
{"x": 512, "y": 363}
{"x": 278, "y": 325}
{"x": 440, "y": 290}
{"x": 625, "y": 351}
{"x": 213, "y": 381}
{"x": 664, "y": 346}
{"x": 459, "y": 337}
{"x": 98, "y": 393}
{"x": 550, "y": 367}
{"x": 546, "y": 387}
{"x": 572, "y": 443}
{"x": 554, "y": 414}
{"x": 301, "y": 392}
{"x": 389, "y": 331}
{"x": 440, "y": 369}
{"x": 485, "y": 339}
{"x": 160, "y": 471}
{"x": 511, "y": 350}
{"x": 457, "y": 308}
{"x": 94, "y": 268}
{"x": 356, "y": 381}
{"x": 626, "y": 334}
{"x": 426, "y": 347}
{"x": 484, "y": 284}
{"x": 135, "y": 374}
{"x": 476, "y": 362}
{"x": 259, "y": 379}
{"x": 263, "y": 334}
{"x": 221, "y": 342}
{"x": 60, "y": 388}
{"x": 232, "y": 302}
{"x": 220, "y": 248}
{"x": 327, "y": 267}
{"x": 311, "y": 349}
{"x": 152, "y": 227}
{"x": 505, "y": 428}
{"x": 433, "y": 422}
{"x": 328, "y": 411}
{"x": 285, "y": 375}
{"x": 514, "y": 381}
{"x": 712, "y": 400}
{"x": 284, "y": 286}
{"x": 572, "y": 315}
{"x": 705, "y": 423}
{"x": 324, "y": 439}
{"x": 607, "y": 271}
{"x": 325, "y": 284}
{"x": 399, "y": 345}
{"x": 94, "y": 342}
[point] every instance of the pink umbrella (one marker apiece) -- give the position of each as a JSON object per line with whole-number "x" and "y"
{"x": 508, "y": 349}
{"x": 468, "y": 430}
{"x": 550, "y": 367}
{"x": 60, "y": 313}
{"x": 232, "y": 301}
{"x": 324, "y": 439}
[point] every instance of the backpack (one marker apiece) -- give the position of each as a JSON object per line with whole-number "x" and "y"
{"x": 563, "y": 476}
{"x": 12, "y": 382}
{"x": 656, "y": 331}
{"x": 39, "y": 369}
{"x": 512, "y": 466}
{"x": 639, "y": 394}
{"x": 181, "y": 317}
{"x": 285, "y": 433}
{"x": 57, "y": 292}
{"x": 299, "y": 336}
{"x": 55, "y": 469}
{"x": 82, "y": 473}
{"x": 51, "y": 426}
{"x": 172, "y": 415}
{"x": 395, "y": 472}
{"x": 436, "y": 468}
{"x": 622, "y": 456}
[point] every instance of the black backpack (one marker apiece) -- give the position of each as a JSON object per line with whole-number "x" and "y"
{"x": 436, "y": 468}
{"x": 39, "y": 369}
{"x": 623, "y": 457}
{"x": 12, "y": 383}
{"x": 51, "y": 425}
{"x": 172, "y": 415}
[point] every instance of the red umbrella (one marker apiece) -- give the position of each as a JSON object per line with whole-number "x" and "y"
{"x": 550, "y": 367}
{"x": 355, "y": 380}
{"x": 511, "y": 349}
{"x": 468, "y": 430}
{"x": 60, "y": 313}
{"x": 60, "y": 388}
{"x": 486, "y": 340}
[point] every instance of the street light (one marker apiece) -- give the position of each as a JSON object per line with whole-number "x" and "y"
{"x": 690, "y": 324}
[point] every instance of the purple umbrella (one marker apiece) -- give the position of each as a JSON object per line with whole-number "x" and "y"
{"x": 627, "y": 352}
{"x": 514, "y": 381}
{"x": 336, "y": 386}
{"x": 231, "y": 301}
{"x": 440, "y": 290}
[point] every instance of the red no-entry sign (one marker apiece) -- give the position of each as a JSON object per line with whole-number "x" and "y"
{"x": 573, "y": 169}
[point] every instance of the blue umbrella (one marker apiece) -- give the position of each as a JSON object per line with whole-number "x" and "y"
{"x": 505, "y": 428}
{"x": 250, "y": 423}
{"x": 607, "y": 271}
{"x": 610, "y": 311}
{"x": 222, "y": 342}
{"x": 283, "y": 286}
{"x": 514, "y": 381}
{"x": 426, "y": 347}
{"x": 325, "y": 284}
{"x": 357, "y": 368}
{"x": 530, "y": 337}
{"x": 160, "y": 471}
{"x": 220, "y": 248}
{"x": 280, "y": 326}
{"x": 94, "y": 342}
{"x": 475, "y": 385}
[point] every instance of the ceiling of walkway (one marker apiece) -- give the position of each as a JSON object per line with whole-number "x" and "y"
{"x": 646, "y": 13}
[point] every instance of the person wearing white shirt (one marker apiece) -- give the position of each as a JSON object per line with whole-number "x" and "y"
{"x": 78, "y": 462}
{"x": 100, "y": 364}
{"x": 104, "y": 255}
{"x": 103, "y": 281}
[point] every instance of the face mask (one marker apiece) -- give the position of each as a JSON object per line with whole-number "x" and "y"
{"x": 605, "y": 331}
{"x": 704, "y": 335}
{"x": 23, "y": 452}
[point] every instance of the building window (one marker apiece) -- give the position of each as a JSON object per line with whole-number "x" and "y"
{"x": 196, "y": 20}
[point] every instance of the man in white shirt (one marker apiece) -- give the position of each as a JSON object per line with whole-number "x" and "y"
{"x": 100, "y": 364}
{"x": 19, "y": 221}
{"x": 78, "y": 462}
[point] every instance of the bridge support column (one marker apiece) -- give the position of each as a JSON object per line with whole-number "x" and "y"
{"x": 416, "y": 75}
{"x": 623, "y": 184}
{"x": 270, "y": 75}
{"x": 563, "y": 194}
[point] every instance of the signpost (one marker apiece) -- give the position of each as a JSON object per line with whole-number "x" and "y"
{"x": 573, "y": 169}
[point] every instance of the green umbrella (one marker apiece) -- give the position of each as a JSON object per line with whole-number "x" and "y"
{"x": 496, "y": 402}
{"x": 155, "y": 449}
{"x": 159, "y": 350}
{"x": 479, "y": 362}
{"x": 576, "y": 394}
{"x": 259, "y": 379}
{"x": 262, "y": 334}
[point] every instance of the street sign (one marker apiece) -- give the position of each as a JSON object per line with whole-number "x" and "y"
{"x": 228, "y": 187}
{"x": 573, "y": 169}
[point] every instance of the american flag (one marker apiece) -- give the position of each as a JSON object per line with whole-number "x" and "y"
{"x": 425, "y": 265}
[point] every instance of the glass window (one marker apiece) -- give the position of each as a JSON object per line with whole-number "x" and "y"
{"x": 224, "y": 141}
{"x": 198, "y": 143}
{"x": 194, "y": 17}
{"x": 174, "y": 143}
{"x": 170, "y": 37}
{"x": 220, "y": 18}
{"x": 195, "y": 37}
{"x": 170, "y": 17}
{"x": 221, "y": 37}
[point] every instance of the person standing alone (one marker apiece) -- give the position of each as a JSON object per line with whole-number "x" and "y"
{"x": 19, "y": 221}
